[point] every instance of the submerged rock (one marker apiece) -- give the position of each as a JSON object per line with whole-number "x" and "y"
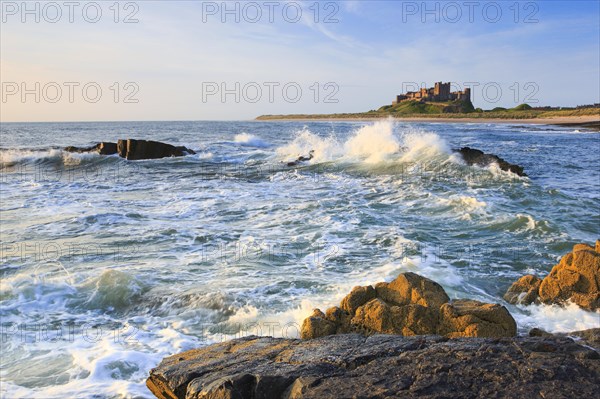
{"x": 380, "y": 366}
{"x": 410, "y": 305}
{"x": 473, "y": 156}
{"x": 576, "y": 278}
{"x": 145, "y": 149}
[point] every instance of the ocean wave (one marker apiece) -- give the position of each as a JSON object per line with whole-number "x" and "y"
{"x": 215, "y": 306}
{"x": 555, "y": 318}
{"x": 373, "y": 144}
{"x": 521, "y": 223}
{"x": 92, "y": 358}
{"x": 463, "y": 206}
{"x": 251, "y": 140}
{"x": 10, "y": 158}
{"x": 112, "y": 290}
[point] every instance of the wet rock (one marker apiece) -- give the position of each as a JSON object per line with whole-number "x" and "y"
{"x": 380, "y": 366}
{"x": 301, "y": 159}
{"x": 524, "y": 291}
{"x": 538, "y": 332}
{"x": 135, "y": 149}
{"x": 103, "y": 148}
{"x": 473, "y": 156}
{"x": 409, "y": 305}
{"x": 80, "y": 149}
{"x": 590, "y": 337}
{"x": 576, "y": 278}
{"x": 145, "y": 149}
{"x": 106, "y": 148}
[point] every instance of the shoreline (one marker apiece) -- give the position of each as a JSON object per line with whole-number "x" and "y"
{"x": 559, "y": 120}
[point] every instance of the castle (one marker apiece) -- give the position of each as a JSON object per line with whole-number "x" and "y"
{"x": 439, "y": 93}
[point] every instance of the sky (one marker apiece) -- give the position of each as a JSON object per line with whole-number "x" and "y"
{"x": 235, "y": 60}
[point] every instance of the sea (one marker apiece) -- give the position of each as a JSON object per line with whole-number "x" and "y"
{"x": 109, "y": 265}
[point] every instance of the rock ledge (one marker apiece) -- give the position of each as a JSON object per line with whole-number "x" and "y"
{"x": 381, "y": 366}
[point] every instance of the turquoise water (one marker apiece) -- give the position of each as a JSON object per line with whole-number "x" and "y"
{"x": 109, "y": 265}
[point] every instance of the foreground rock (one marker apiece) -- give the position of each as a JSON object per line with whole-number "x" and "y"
{"x": 146, "y": 149}
{"x": 576, "y": 278}
{"x": 410, "y": 305}
{"x": 473, "y": 156}
{"x": 381, "y": 366}
{"x": 135, "y": 149}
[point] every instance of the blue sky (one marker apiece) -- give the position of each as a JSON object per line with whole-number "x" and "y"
{"x": 178, "y": 57}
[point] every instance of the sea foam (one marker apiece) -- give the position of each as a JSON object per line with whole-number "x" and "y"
{"x": 376, "y": 143}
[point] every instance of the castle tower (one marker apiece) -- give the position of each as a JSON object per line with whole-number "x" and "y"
{"x": 467, "y": 93}
{"x": 444, "y": 91}
{"x": 436, "y": 89}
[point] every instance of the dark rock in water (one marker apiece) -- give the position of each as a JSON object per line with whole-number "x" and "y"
{"x": 80, "y": 149}
{"x": 146, "y": 149}
{"x": 107, "y": 148}
{"x": 135, "y": 149}
{"x": 381, "y": 366}
{"x": 592, "y": 125}
{"x": 302, "y": 159}
{"x": 103, "y": 148}
{"x": 473, "y": 156}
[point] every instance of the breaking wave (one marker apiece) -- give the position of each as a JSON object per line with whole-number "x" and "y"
{"x": 250, "y": 140}
{"x": 375, "y": 143}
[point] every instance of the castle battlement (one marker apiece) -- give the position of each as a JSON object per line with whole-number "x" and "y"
{"x": 439, "y": 93}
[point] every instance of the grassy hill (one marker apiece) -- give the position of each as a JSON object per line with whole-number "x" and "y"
{"x": 455, "y": 109}
{"x": 426, "y": 108}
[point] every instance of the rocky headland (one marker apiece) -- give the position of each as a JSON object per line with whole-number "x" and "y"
{"x": 406, "y": 339}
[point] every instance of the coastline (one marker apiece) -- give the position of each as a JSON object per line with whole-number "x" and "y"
{"x": 559, "y": 120}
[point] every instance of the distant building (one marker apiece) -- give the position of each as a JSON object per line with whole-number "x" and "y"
{"x": 439, "y": 93}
